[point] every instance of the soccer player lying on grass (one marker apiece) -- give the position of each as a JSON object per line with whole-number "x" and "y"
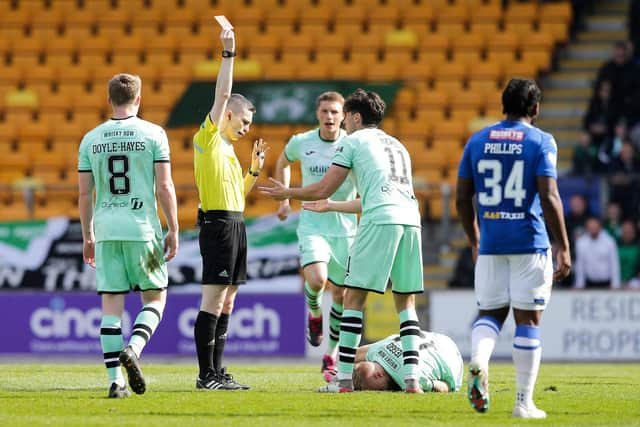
{"x": 378, "y": 366}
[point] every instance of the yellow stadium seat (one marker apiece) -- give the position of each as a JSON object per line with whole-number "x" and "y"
{"x": 401, "y": 39}
{"x": 412, "y": 128}
{"x": 429, "y": 115}
{"x": 433, "y": 98}
{"x": 282, "y": 15}
{"x": 483, "y": 28}
{"x": 251, "y": 14}
{"x": 295, "y": 58}
{"x": 464, "y": 114}
{"x": 57, "y": 160}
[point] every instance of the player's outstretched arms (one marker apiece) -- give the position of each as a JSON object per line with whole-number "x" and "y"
{"x": 322, "y": 189}
{"x": 554, "y": 217}
{"x": 225, "y": 78}
{"x": 328, "y": 205}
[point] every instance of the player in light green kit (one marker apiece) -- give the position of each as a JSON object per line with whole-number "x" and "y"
{"x": 378, "y": 366}
{"x": 324, "y": 239}
{"x": 126, "y": 160}
{"x": 388, "y": 242}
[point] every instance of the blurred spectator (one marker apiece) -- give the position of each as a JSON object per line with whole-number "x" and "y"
{"x": 634, "y": 27}
{"x": 585, "y": 156}
{"x": 612, "y": 146}
{"x": 576, "y": 218}
{"x": 621, "y": 72}
{"x": 597, "y": 265}
{"x": 623, "y": 181}
{"x": 464, "y": 272}
{"x": 612, "y": 222}
{"x": 599, "y": 118}
{"x": 629, "y": 253}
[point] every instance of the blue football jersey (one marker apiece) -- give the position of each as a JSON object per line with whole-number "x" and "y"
{"x": 504, "y": 160}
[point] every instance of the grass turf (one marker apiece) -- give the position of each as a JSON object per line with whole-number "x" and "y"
{"x": 70, "y": 395}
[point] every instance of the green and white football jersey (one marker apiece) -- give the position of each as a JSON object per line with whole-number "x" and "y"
{"x": 382, "y": 169}
{"x": 121, "y": 155}
{"x": 439, "y": 360}
{"x": 315, "y": 155}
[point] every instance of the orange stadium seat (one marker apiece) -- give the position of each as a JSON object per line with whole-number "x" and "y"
{"x": 490, "y": 13}
{"x": 387, "y": 13}
{"x": 351, "y": 14}
{"x": 521, "y": 12}
{"x": 419, "y": 14}
{"x": 559, "y": 30}
{"x": 453, "y": 13}
{"x": 555, "y": 12}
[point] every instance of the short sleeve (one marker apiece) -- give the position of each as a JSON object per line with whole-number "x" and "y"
{"x": 84, "y": 165}
{"x": 161, "y": 152}
{"x": 548, "y": 158}
{"x": 345, "y": 153}
{"x": 465, "y": 169}
{"x": 292, "y": 149}
{"x": 205, "y": 135}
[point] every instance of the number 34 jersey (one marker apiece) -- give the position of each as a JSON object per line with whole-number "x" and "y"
{"x": 382, "y": 170}
{"x": 121, "y": 155}
{"x": 503, "y": 160}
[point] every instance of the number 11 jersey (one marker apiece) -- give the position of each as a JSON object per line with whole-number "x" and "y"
{"x": 382, "y": 170}
{"x": 503, "y": 160}
{"x": 121, "y": 154}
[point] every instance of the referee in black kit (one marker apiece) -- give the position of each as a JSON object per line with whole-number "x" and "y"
{"x": 222, "y": 187}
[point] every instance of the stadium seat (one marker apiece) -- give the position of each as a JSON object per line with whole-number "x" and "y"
{"x": 559, "y": 30}
{"x": 521, "y": 12}
{"x": 413, "y": 13}
{"x": 455, "y": 13}
{"x": 388, "y": 13}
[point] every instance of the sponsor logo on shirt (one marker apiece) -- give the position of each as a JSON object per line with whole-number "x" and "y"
{"x": 511, "y": 135}
{"x": 503, "y": 215}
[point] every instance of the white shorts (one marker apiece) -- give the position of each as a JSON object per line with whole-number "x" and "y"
{"x": 522, "y": 281}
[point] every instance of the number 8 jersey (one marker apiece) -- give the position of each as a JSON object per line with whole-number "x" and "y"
{"x": 382, "y": 170}
{"x": 503, "y": 160}
{"x": 121, "y": 153}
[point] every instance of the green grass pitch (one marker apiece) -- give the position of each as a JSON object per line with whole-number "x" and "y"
{"x": 75, "y": 395}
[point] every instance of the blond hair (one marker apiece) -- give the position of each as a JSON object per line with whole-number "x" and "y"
{"x": 124, "y": 89}
{"x": 330, "y": 96}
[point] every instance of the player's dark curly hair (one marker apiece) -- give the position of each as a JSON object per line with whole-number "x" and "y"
{"x": 368, "y": 104}
{"x": 520, "y": 97}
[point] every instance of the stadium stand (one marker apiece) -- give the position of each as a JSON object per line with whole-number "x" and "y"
{"x": 450, "y": 56}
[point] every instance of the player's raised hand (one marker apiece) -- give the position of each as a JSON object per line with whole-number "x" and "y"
{"x": 563, "y": 265}
{"x": 258, "y": 154}
{"x": 317, "y": 206}
{"x": 171, "y": 245}
{"x": 279, "y": 191}
{"x": 284, "y": 210}
{"x": 89, "y": 252}
{"x": 228, "y": 40}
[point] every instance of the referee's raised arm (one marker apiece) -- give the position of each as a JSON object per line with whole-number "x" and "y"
{"x": 225, "y": 76}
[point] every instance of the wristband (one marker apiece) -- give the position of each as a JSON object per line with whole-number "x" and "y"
{"x": 228, "y": 54}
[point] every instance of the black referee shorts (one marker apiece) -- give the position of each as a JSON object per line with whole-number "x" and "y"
{"x": 223, "y": 246}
